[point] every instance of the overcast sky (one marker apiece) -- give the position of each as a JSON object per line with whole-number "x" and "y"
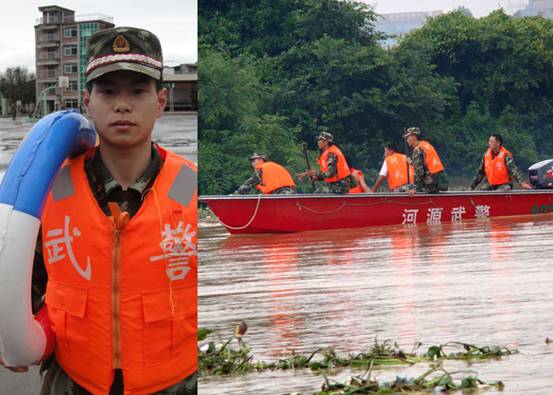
{"x": 173, "y": 21}
{"x": 478, "y": 7}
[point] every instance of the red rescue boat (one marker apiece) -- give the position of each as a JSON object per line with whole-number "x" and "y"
{"x": 296, "y": 213}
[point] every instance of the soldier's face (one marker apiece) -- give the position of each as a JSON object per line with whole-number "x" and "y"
{"x": 493, "y": 144}
{"x": 322, "y": 144}
{"x": 124, "y": 106}
{"x": 411, "y": 140}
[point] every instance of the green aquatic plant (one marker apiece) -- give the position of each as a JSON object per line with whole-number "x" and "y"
{"x": 437, "y": 379}
{"x": 234, "y": 356}
{"x": 466, "y": 351}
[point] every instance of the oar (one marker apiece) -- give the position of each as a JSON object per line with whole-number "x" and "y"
{"x": 407, "y": 160}
{"x": 308, "y": 165}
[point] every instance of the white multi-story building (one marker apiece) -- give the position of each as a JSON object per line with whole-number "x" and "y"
{"x": 400, "y": 23}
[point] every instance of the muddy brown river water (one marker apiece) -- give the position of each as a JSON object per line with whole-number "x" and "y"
{"x": 485, "y": 282}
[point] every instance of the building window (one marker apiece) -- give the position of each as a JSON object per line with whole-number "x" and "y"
{"x": 52, "y": 17}
{"x": 70, "y": 50}
{"x": 85, "y": 31}
{"x": 52, "y": 54}
{"x": 70, "y": 32}
{"x": 70, "y": 68}
{"x": 73, "y": 85}
{"x": 71, "y": 103}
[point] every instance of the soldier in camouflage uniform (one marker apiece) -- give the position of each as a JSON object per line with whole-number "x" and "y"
{"x": 495, "y": 145}
{"x": 138, "y": 44}
{"x": 251, "y": 184}
{"x": 425, "y": 179}
{"x": 325, "y": 141}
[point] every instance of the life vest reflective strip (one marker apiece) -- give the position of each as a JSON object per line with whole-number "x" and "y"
{"x": 342, "y": 165}
{"x": 397, "y": 171}
{"x": 433, "y": 161}
{"x": 123, "y": 294}
{"x": 495, "y": 168}
{"x": 274, "y": 176}
{"x": 358, "y": 174}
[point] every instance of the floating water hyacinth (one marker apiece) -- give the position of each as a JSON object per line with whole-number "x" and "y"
{"x": 218, "y": 357}
{"x": 437, "y": 379}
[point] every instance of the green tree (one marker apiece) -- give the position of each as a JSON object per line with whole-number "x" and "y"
{"x": 18, "y": 83}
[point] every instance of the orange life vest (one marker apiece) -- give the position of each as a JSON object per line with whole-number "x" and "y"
{"x": 433, "y": 162}
{"x": 358, "y": 174}
{"x": 123, "y": 293}
{"x": 342, "y": 165}
{"x": 397, "y": 171}
{"x": 273, "y": 177}
{"x": 495, "y": 168}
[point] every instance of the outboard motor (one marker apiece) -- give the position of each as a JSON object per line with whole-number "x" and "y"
{"x": 541, "y": 174}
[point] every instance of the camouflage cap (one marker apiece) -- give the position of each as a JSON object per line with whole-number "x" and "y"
{"x": 124, "y": 48}
{"x": 325, "y": 136}
{"x": 412, "y": 130}
{"x": 255, "y": 155}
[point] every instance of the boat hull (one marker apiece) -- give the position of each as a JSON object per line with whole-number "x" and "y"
{"x": 297, "y": 213}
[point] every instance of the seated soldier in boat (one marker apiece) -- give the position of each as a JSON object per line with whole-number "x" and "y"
{"x": 430, "y": 176}
{"x": 498, "y": 168}
{"x": 359, "y": 177}
{"x": 269, "y": 178}
{"x": 397, "y": 169}
{"x": 334, "y": 169}
{"x": 362, "y": 186}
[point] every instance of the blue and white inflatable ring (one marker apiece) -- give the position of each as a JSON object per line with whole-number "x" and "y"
{"x": 23, "y": 193}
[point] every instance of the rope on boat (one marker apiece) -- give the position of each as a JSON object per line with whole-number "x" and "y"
{"x": 249, "y": 222}
{"x": 302, "y": 207}
{"x": 385, "y": 200}
{"x": 344, "y": 204}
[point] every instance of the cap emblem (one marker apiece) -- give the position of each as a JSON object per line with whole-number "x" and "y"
{"x": 121, "y": 45}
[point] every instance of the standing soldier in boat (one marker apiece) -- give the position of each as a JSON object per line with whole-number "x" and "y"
{"x": 397, "y": 169}
{"x": 269, "y": 178}
{"x": 334, "y": 169}
{"x": 430, "y": 176}
{"x": 498, "y": 168}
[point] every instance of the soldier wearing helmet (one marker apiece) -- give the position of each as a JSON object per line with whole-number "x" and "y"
{"x": 268, "y": 178}
{"x": 430, "y": 176}
{"x": 334, "y": 170}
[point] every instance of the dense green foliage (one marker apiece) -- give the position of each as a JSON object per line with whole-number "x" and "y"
{"x": 17, "y": 83}
{"x": 274, "y": 74}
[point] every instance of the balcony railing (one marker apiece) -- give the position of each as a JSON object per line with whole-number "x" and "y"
{"x": 49, "y": 75}
{"x": 75, "y": 18}
{"x": 49, "y": 57}
{"x": 56, "y": 19}
{"x": 93, "y": 17}
{"x": 49, "y": 38}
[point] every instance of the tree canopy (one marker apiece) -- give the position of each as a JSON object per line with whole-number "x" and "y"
{"x": 18, "y": 83}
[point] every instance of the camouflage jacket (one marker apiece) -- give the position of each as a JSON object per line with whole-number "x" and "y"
{"x": 514, "y": 171}
{"x": 424, "y": 180}
{"x": 249, "y": 185}
{"x": 421, "y": 171}
{"x": 332, "y": 169}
